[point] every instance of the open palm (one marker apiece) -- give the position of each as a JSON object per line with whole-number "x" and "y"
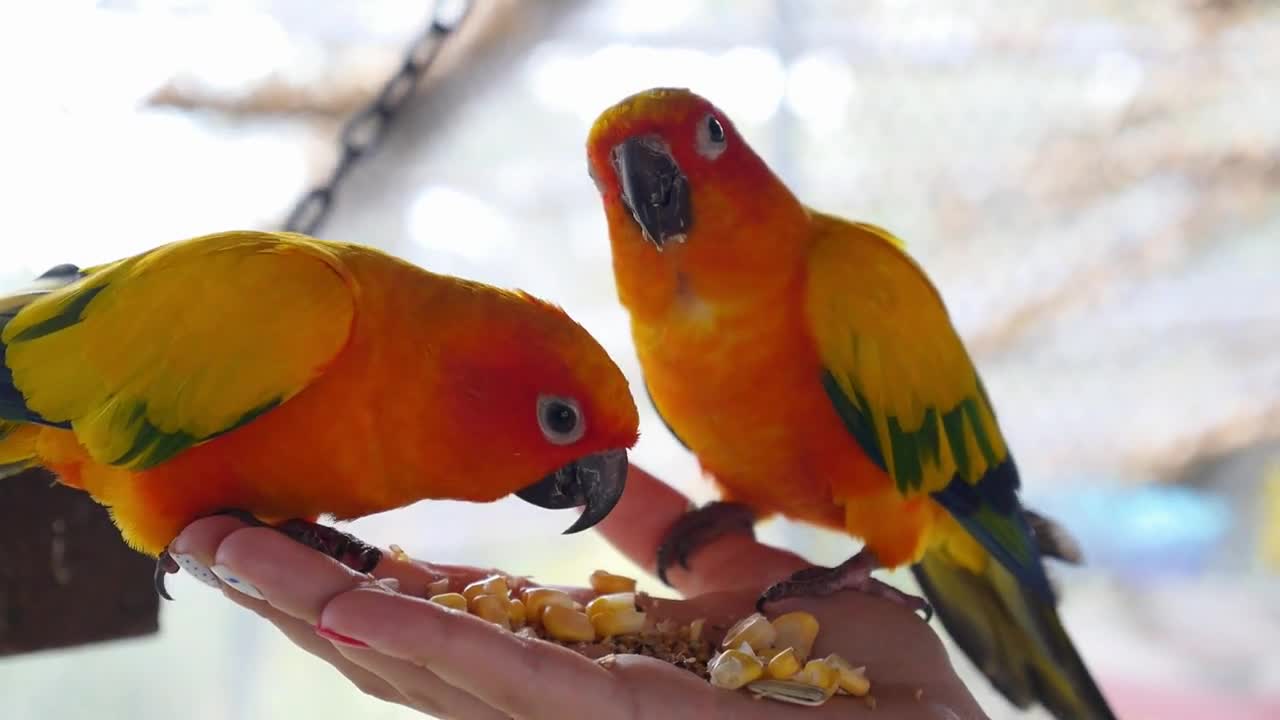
{"x": 405, "y": 650}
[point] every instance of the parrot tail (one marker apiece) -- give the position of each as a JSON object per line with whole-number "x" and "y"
{"x": 1013, "y": 635}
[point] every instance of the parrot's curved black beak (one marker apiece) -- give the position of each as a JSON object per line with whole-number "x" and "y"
{"x": 654, "y": 189}
{"x": 595, "y": 481}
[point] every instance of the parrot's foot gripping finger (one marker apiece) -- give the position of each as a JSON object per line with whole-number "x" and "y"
{"x": 852, "y": 574}
{"x": 243, "y": 516}
{"x": 165, "y": 565}
{"x": 346, "y": 549}
{"x": 699, "y": 527}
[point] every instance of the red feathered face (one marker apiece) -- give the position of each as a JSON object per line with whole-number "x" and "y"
{"x": 693, "y": 212}
{"x": 560, "y": 406}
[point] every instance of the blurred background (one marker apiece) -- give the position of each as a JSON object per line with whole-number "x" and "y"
{"x": 1094, "y": 186}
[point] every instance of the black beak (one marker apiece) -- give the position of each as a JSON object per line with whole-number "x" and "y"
{"x": 595, "y": 481}
{"x": 654, "y": 189}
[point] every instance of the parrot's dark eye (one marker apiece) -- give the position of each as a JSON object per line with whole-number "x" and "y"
{"x": 560, "y": 419}
{"x": 711, "y": 139}
{"x": 715, "y": 131}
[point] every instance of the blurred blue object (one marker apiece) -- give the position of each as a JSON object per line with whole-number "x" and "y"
{"x": 1144, "y": 532}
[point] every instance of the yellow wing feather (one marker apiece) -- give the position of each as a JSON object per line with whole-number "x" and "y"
{"x": 896, "y": 368}
{"x": 155, "y": 353}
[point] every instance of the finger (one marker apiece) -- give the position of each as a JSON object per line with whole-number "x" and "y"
{"x": 304, "y": 636}
{"x": 638, "y": 524}
{"x": 202, "y": 538}
{"x": 518, "y": 676}
{"x": 639, "y": 521}
{"x": 419, "y": 687}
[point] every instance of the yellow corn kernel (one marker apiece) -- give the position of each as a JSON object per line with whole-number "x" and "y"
{"x": 516, "y": 613}
{"x": 565, "y": 623}
{"x": 606, "y": 583}
{"x": 624, "y": 621}
{"x": 492, "y": 608}
{"x": 451, "y": 600}
{"x": 492, "y": 585}
{"x": 783, "y": 665}
{"x": 695, "y": 629}
{"x": 438, "y": 587}
{"x": 754, "y": 630}
{"x": 853, "y": 680}
{"x": 819, "y": 674}
{"x": 398, "y": 554}
{"x": 535, "y": 599}
{"x": 617, "y": 602}
{"x": 796, "y": 630}
{"x": 732, "y": 669}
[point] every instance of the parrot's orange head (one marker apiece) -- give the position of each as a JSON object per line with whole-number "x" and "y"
{"x": 686, "y": 198}
{"x": 556, "y": 412}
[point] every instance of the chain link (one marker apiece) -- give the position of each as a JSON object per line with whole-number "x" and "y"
{"x": 366, "y": 129}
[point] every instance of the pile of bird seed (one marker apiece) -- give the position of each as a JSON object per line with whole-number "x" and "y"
{"x": 769, "y": 658}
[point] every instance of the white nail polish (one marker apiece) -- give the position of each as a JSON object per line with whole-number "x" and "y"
{"x": 390, "y": 584}
{"x": 225, "y": 575}
{"x": 196, "y": 569}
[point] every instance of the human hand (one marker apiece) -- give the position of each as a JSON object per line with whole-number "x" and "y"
{"x": 401, "y": 648}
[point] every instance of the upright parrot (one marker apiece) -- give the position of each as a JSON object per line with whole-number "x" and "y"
{"x": 282, "y": 377}
{"x": 813, "y": 369}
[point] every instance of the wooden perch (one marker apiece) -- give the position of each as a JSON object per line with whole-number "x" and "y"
{"x": 66, "y": 577}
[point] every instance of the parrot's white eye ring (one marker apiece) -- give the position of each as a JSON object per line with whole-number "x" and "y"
{"x": 560, "y": 419}
{"x": 711, "y": 141}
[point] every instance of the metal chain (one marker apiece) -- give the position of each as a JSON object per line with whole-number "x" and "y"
{"x": 364, "y": 130}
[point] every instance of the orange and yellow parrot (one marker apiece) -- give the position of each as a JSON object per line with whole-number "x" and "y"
{"x": 282, "y": 377}
{"x": 813, "y": 369}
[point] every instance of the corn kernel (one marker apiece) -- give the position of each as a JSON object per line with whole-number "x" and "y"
{"x": 606, "y": 583}
{"x": 398, "y": 554}
{"x": 732, "y": 669}
{"x": 450, "y": 600}
{"x": 617, "y": 602}
{"x": 853, "y": 680}
{"x": 535, "y": 599}
{"x": 796, "y": 630}
{"x": 754, "y": 629}
{"x": 625, "y": 621}
{"x": 565, "y": 623}
{"x": 492, "y": 585}
{"x": 438, "y": 587}
{"x": 695, "y": 629}
{"x": 492, "y": 608}
{"x": 819, "y": 674}
{"x": 783, "y": 665}
{"x": 516, "y": 613}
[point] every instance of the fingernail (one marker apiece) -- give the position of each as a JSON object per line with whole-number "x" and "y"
{"x": 389, "y": 584}
{"x": 224, "y": 574}
{"x": 339, "y": 638}
{"x": 196, "y": 569}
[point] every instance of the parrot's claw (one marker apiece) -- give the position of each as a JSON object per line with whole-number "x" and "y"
{"x": 699, "y": 527}
{"x": 165, "y": 565}
{"x": 346, "y": 549}
{"x": 852, "y": 574}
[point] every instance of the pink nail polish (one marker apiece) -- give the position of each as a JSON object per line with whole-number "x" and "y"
{"x": 339, "y": 638}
